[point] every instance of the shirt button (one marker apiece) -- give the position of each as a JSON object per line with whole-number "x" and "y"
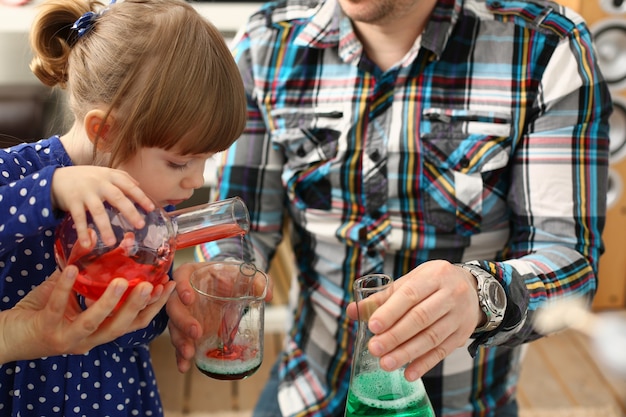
{"x": 464, "y": 162}
{"x": 363, "y": 234}
{"x": 375, "y": 156}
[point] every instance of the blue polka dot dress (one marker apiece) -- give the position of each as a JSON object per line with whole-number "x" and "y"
{"x": 115, "y": 379}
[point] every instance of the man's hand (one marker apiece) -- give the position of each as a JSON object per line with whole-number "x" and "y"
{"x": 49, "y": 321}
{"x": 433, "y": 310}
{"x": 184, "y": 329}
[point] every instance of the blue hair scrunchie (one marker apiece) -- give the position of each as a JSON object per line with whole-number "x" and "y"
{"x": 84, "y": 23}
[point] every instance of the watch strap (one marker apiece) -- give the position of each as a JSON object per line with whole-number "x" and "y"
{"x": 493, "y": 313}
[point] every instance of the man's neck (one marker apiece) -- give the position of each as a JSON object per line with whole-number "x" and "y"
{"x": 386, "y": 43}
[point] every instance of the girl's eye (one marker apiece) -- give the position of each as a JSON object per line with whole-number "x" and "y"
{"x": 177, "y": 166}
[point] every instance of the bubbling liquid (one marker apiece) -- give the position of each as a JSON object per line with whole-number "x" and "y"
{"x": 235, "y": 362}
{"x": 381, "y": 393}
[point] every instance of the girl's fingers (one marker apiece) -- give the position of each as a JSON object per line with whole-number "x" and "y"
{"x": 124, "y": 193}
{"x": 101, "y": 220}
{"x": 79, "y": 216}
{"x": 132, "y": 190}
{"x": 126, "y": 206}
{"x": 81, "y": 250}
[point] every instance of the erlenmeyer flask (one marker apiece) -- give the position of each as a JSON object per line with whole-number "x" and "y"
{"x": 145, "y": 254}
{"x": 373, "y": 391}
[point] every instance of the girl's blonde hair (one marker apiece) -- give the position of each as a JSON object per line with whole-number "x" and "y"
{"x": 163, "y": 72}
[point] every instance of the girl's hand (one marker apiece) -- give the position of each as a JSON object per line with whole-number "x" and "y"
{"x": 82, "y": 189}
{"x": 48, "y": 321}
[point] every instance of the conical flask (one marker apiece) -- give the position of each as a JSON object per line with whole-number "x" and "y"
{"x": 373, "y": 391}
{"x": 145, "y": 254}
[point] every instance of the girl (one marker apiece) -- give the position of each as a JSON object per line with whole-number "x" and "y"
{"x": 154, "y": 92}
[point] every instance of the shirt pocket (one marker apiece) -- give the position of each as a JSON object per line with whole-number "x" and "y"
{"x": 466, "y": 155}
{"x": 309, "y": 141}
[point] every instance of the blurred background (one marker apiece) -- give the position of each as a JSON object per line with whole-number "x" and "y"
{"x": 561, "y": 375}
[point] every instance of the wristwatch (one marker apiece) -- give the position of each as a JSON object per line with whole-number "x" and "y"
{"x": 491, "y": 297}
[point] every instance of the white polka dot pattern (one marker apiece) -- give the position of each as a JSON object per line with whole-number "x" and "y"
{"x": 115, "y": 379}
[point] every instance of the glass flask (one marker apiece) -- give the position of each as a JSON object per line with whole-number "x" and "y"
{"x": 230, "y": 306}
{"x": 145, "y": 254}
{"x": 373, "y": 391}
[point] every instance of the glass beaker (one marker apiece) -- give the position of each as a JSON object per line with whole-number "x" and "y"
{"x": 144, "y": 254}
{"x": 374, "y": 391}
{"x": 230, "y": 306}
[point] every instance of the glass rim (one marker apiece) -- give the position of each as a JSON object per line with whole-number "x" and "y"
{"x": 357, "y": 285}
{"x": 260, "y": 297}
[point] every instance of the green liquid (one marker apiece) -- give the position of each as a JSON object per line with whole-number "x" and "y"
{"x": 387, "y": 394}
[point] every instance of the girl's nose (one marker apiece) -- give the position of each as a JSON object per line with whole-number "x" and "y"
{"x": 196, "y": 179}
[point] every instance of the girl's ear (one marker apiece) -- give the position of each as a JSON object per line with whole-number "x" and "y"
{"x": 97, "y": 129}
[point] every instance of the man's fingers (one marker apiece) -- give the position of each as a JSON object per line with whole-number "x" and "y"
{"x": 62, "y": 290}
{"x": 152, "y": 309}
{"x": 398, "y": 349}
{"x": 418, "y": 367}
{"x": 97, "y": 313}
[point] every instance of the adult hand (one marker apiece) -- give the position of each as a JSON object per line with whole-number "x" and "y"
{"x": 433, "y": 310}
{"x": 78, "y": 189}
{"x": 49, "y": 321}
{"x": 184, "y": 329}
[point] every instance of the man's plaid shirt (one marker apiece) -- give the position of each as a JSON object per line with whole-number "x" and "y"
{"x": 487, "y": 142}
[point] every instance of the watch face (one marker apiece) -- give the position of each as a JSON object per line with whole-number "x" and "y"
{"x": 496, "y": 295}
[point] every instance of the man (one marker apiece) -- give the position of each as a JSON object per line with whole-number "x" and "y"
{"x": 460, "y": 146}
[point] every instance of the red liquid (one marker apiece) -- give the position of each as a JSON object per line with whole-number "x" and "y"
{"x": 147, "y": 258}
{"x": 208, "y": 234}
{"x": 241, "y": 367}
{"x": 228, "y": 353}
{"x": 95, "y": 272}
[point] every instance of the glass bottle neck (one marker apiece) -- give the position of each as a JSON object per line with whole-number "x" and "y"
{"x": 209, "y": 222}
